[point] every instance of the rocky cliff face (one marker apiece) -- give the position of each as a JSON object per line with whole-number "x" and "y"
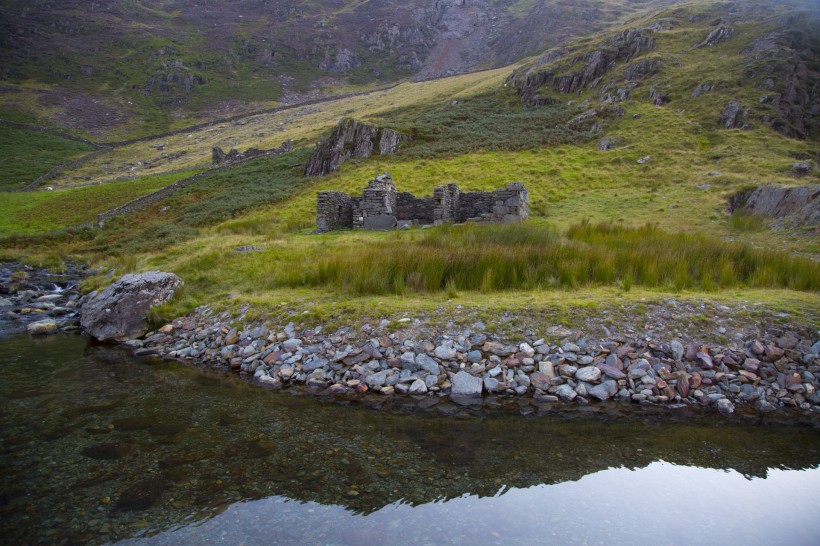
{"x": 798, "y": 206}
{"x": 568, "y": 78}
{"x": 351, "y": 138}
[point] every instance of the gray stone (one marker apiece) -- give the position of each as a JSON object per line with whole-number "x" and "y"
{"x": 570, "y": 347}
{"x": 408, "y": 361}
{"x": 474, "y": 357}
{"x": 5, "y": 302}
{"x": 377, "y": 379}
{"x": 426, "y": 363}
{"x": 381, "y": 222}
{"x": 604, "y": 391}
{"x": 565, "y": 393}
{"x": 464, "y": 384}
{"x": 725, "y": 406}
{"x": 491, "y": 384}
{"x": 314, "y": 364}
{"x": 589, "y": 374}
{"x": 765, "y": 406}
{"x": 418, "y": 387}
{"x": 42, "y": 327}
{"x": 677, "y": 350}
{"x": 120, "y": 312}
{"x": 445, "y": 351}
{"x": 292, "y": 345}
{"x": 611, "y": 371}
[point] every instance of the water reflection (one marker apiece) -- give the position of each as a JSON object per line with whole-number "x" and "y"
{"x": 662, "y": 503}
{"x": 97, "y": 446}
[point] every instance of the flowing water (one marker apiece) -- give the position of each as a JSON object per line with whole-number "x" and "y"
{"x": 98, "y": 446}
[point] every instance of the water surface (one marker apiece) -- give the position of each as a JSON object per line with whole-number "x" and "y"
{"x": 98, "y": 446}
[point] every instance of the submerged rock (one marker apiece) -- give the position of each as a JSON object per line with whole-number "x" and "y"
{"x": 42, "y": 327}
{"x": 119, "y": 312}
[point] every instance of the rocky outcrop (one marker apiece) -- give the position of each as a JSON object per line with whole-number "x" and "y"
{"x": 800, "y": 205}
{"x": 702, "y": 88}
{"x": 622, "y": 47}
{"x": 642, "y": 69}
{"x": 733, "y": 116}
{"x": 717, "y": 36}
{"x": 219, "y": 157}
{"x": 608, "y": 143}
{"x": 351, "y": 138}
{"x": 120, "y": 312}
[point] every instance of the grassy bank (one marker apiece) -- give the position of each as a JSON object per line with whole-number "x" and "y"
{"x": 531, "y": 257}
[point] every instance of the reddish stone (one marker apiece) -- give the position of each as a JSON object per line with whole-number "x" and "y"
{"x": 773, "y": 353}
{"x": 695, "y": 381}
{"x": 751, "y": 364}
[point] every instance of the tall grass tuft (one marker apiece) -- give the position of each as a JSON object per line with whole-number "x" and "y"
{"x": 528, "y": 257}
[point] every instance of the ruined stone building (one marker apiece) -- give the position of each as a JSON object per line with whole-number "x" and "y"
{"x": 381, "y": 206}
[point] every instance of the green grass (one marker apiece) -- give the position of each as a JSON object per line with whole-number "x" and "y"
{"x": 487, "y": 121}
{"x": 25, "y": 155}
{"x": 42, "y": 211}
{"x": 532, "y": 257}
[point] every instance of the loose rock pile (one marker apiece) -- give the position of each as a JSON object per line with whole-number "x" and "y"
{"x": 764, "y": 374}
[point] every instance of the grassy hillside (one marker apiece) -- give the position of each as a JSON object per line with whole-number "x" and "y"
{"x": 603, "y": 227}
{"x": 27, "y": 155}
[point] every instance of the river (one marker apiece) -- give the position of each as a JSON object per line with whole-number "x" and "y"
{"x": 99, "y": 447}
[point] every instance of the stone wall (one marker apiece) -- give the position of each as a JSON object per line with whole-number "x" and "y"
{"x": 377, "y": 207}
{"x": 334, "y": 210}
{"x": 219, "y": 157}
{"x": 381, "y": 206}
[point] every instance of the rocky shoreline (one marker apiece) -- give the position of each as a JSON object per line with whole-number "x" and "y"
{"x": 414, "y": 360}
{"x": 470, "y": 366}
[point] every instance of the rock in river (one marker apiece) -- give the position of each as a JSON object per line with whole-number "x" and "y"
{"x": 119, "y": 312}
{"x": 42, "y": 327}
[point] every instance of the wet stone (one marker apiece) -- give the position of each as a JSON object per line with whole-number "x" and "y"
{"x": 141, "y": 495}
{"x": 109, "y": 451}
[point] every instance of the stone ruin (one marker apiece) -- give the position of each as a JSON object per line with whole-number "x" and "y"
{"x": 219, "y": 157}
{"x": 382, "y": 207}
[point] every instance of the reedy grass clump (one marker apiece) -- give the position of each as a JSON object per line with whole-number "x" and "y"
{"x": 532, "y": 257}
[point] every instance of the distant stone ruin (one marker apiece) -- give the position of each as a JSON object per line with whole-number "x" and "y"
{"x": 351, "y": 138}
{"x": 382, "y": 207}
{"x": 219, "y": 157}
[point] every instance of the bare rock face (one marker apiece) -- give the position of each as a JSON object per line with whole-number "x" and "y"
{"x": 119, "y": 312}
{"x": 623, "y": 47}
{"x": 801, "y": 204}
{"x": 733, "y": 116}
{"x": 351, "y": 138}
{"x": 718, "y": 35}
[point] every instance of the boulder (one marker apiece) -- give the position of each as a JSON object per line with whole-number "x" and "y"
{"x": 119, "y": 312}
{"x": 42, "y": 327}
{"x": 799, "y": 204}
{"x": 465, "y": 384}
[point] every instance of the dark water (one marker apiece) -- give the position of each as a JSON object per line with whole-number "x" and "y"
{"x": 98, "y": 446}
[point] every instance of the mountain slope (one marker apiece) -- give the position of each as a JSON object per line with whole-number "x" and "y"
{"x": 132, "y": 67}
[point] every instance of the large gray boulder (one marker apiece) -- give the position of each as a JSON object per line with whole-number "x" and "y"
{"x": 120, "y": 312}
